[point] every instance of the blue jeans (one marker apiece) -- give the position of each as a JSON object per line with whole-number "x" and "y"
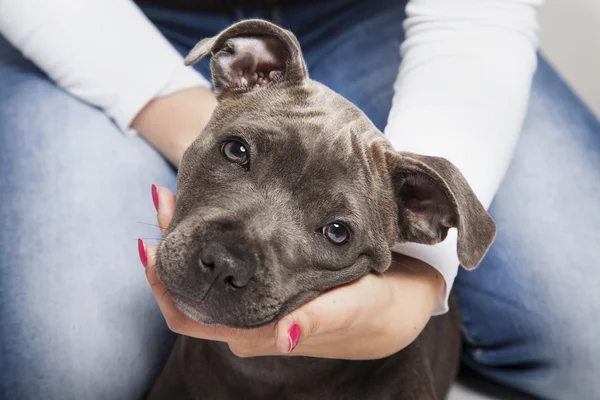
{"x": 78, "y": 320}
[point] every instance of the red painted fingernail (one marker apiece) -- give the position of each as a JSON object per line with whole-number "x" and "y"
{"x": 155, "y": 196}
{"x": 142, "y": 251}
{"x": 293, "y": 337}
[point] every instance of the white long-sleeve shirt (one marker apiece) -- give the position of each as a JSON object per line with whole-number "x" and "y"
{"x": 461, "y": 92}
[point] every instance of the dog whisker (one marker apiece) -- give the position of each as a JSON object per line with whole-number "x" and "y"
{"x": 159, "y": 226}
{"x": 149, "y": 224}
{"x": 386, "y": 280}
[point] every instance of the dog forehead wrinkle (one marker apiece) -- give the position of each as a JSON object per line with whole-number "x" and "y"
{"x": 336, "y": 203}
{"x": 332, "y": 162}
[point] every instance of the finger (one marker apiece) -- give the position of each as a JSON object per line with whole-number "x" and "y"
{"x": 331, "y": 316}
{"x": 307, "y": 326}
{"x": 164, "y": 201}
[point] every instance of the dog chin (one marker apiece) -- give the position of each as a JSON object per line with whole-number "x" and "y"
{"x": 197, "y": 312}
{"x": 192, "y": 310}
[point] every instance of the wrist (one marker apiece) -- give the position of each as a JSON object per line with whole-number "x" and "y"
{"x": 415, "y": 288}
{"x": 171, "y": 123}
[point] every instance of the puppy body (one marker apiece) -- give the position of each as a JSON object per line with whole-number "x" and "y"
{"x": 205, "y": 370}
{"x": 291, "y": 191}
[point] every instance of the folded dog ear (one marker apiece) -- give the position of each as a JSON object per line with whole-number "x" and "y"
{"x": 432, "y": 197}
{"x": 250, "y": 55}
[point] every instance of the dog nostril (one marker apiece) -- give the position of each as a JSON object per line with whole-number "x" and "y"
{"x": 230, "y": 281}
{"x": 205, "y": 263}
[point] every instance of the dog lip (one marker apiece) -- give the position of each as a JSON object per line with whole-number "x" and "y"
{"x": 195, "y": 311}
{"x": 191, "y": 309}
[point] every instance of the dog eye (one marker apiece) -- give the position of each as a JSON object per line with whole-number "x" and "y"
{"x": 235, "y": 151}
{"x": 336, "y": 233}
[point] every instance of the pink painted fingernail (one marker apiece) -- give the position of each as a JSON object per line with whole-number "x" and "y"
{"x": 142, "y": 251}
{"x": 293, "y": 337}
{"x": 155, "y": 196}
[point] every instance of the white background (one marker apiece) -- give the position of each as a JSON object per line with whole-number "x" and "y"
{"x": 570, "y": 39}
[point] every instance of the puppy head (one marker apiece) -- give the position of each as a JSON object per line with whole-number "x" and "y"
{"x": 290, "y": 190}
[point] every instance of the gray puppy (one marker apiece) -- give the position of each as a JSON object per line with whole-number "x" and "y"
{"x": 290, "y": 191}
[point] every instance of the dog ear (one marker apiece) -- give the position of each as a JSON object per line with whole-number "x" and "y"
{"x": 250, "y": 55}
{"x": 432, "y": 197}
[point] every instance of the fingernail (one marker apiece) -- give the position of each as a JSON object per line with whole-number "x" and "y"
{"x": 155, "y": 196}
{"x": 142, "y": 251}
{"x": 293, "y": 337}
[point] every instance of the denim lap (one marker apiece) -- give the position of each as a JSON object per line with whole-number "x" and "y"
{"x": 530, "y": 311}
{"x": 78, "y": 318}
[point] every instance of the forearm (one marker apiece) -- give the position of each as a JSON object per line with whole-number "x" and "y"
{"x": 172, "y": 123}
{"x": 416, "y": 288}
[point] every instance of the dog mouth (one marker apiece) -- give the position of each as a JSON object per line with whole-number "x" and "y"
{"x": 198, "y": 312}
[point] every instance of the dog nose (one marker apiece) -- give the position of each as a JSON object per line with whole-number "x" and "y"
{"x": 223, "y": 265}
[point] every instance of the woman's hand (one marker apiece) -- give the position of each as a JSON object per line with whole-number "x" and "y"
{"x": 173, "y": 122}
{"x": 372, "y": 317}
